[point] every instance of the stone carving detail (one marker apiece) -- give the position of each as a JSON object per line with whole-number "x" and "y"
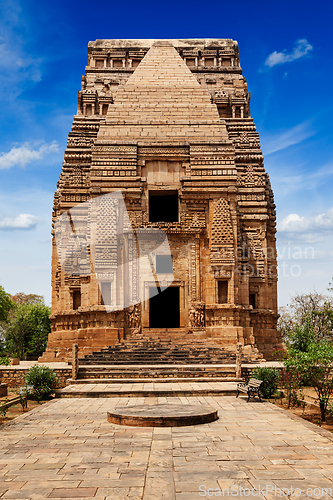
{"x": 80, "y": 142}
{"x": 164, "y": 151}
{"x": 222, "y": 228}
{"x": 106, "y": 244}
{"x": 115, "y": 149}
{"x": 133, "y": 318}
{"x": 197, "y": 315}
{"x": 255, "y": 245}
{"x": 251, "y": 178}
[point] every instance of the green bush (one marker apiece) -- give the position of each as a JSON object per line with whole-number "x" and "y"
{"x": 4, "y": 360}
{"x": 43, "y": 379}
{"x": 270, "y": 377}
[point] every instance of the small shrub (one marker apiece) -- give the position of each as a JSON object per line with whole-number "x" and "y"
{"x": 270, "y": 378}
{"x": 4, "y": 360}
{"x": 43, "y": 379}
{"x": 3, "y": 411}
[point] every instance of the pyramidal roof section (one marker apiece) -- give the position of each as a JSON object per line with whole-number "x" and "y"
{"x": 162, "y": 65}
{"x": 162, "y": 90}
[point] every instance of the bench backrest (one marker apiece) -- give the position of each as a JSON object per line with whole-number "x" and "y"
{"x": 254, "y": 382}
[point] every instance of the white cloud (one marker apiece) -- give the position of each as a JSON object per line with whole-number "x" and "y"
{"x": 294, "y": 223}
{"x": 301, "y": 49}
{"x": 22, "y": 221}
{"x": 21, "y": 156}
{"x": 282, "y": 140}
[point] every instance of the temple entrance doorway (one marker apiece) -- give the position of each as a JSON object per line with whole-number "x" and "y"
{"x": 164, "y": 308}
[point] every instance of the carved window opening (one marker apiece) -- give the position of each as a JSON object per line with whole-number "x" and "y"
{"x": 117, "y": 63}
{"x": 190, "y": 61}
{"x": 163, "y": 206}
{"x": 222, "y": 291}
{"x": 164, "y": 264}
{"x": 106, "y": 293}
{"x": 99, "y": 63}
{"x": 224, "y": 111}
{"x": 238, "y": 113}
{"x": 209, "y": 62}
{"x": 253, "y": 300}
{"x": 76, "y": 299}
{"x": 105, "y": 109}
{"x": 89, "y": 110}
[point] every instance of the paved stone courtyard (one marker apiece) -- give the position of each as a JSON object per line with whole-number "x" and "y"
{"x": 67, "y": 449}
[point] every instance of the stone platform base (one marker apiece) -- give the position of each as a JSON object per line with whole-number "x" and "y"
{"x": 162, "y": 415}
{"x": 148, "y": 389}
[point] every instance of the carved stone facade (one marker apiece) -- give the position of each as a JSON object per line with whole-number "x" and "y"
{"x": 167, "y": 118}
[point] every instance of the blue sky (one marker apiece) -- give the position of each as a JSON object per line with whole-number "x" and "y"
{"x": 286, "y": 55}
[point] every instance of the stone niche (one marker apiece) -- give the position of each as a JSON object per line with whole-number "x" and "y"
{"x": 166, "y": 125}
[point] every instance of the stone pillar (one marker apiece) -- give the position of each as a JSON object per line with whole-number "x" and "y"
{"x": 104, "y": 63}
{"x": 124, "y": 63}
{"x": 93, "y": 108}
{"x": 242, "y": 111}
{"x": 84, "y": 108}
{"x": 130, "y": 63}
{"x": 196, "y": 61}
{"x": 234, "y": 111}
{"x": 75, "y": 361}
{"x": 101, "y": 109}
{"x": 111, "y": 62}
{"x": 239, "y": 360}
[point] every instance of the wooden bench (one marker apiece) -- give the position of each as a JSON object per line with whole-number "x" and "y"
{"x": 252, "y": 388}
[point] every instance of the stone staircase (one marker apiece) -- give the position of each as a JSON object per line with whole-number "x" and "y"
{"x": 157, "y": 373}
{"x": 161, "y": 355}
{"x": 165, "y": 347}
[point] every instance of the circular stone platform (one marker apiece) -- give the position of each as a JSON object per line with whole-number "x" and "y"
{"x": 162, "y": 415}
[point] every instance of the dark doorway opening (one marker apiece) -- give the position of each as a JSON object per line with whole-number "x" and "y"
{"x": 164, "y": 308}
{"x": 253, "y": 300}
{"x": 76, "y": 299}
{"x": 163, "y": 206}
{"x": 222, "y": 292}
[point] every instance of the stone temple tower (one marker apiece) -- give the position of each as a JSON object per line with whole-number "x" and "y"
{"x": 166, "y": 126}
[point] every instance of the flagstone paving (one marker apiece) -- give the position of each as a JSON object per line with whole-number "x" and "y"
{"x": 67, "y": 449}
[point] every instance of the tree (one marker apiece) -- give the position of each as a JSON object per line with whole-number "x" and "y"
{"x": 6, "y": 304}
{"x": 308, "y": 319}
{"x": 27, "y": 329}
{"x": 26, "y": 298}
{"x": 315, "y": 367}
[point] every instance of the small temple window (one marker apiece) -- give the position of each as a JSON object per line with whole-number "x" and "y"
{"x": 190, "y": 61}
{"x": 163, "y": 206}
{"x": 222, "y": 290}
{"x": 106, "y": 293}
{"x": 76, "y": 299}
{"x": 253, "y": 300}
{"x": 99, "y": 63}
{"x": 105, "y": 109}
{"x": 164, "y": 264}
